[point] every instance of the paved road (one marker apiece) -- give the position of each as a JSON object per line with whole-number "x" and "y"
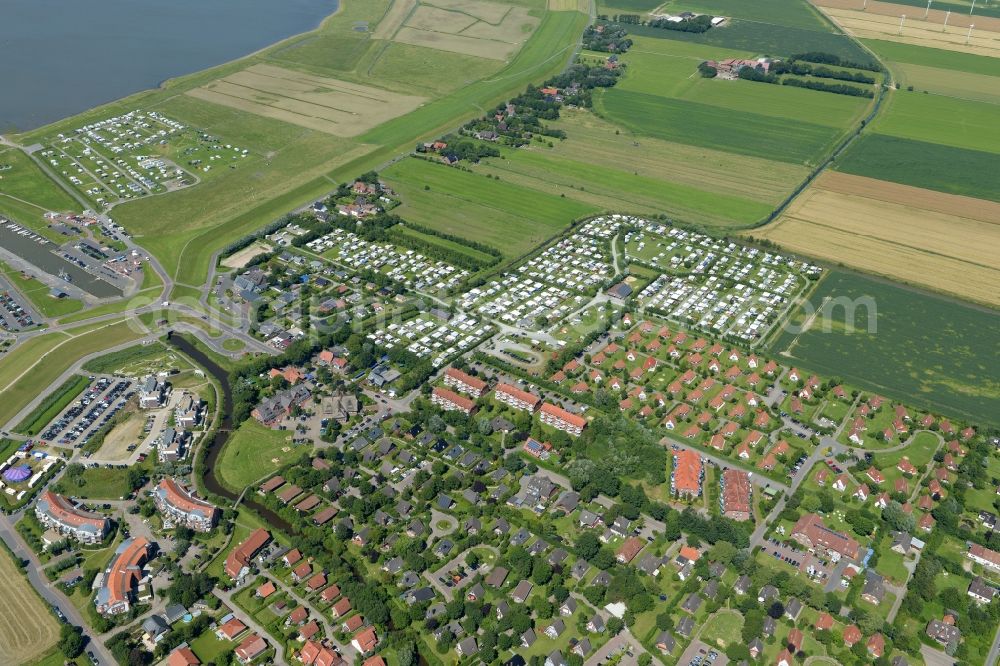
{"x": 622, "y": 641}
{"x": 227, "y": 597}
{"x": 45, "y": 588}
{"x": 756, "y": 477}
{"x": 934, "y": 657}
{"x": 991, "y": 659}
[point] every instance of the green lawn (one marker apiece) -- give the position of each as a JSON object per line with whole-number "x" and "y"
{"x": 38, "y": 294}
{"x": 99, "y": 483}
{"x": 27, "y": 182}
{"x": 512, "y": 218}
{"x": 208, "y": 647}
{"x": 54, "y": 403}
{"x": 253, "y": 452}
{"x": 41, "y": 360}
{"x": 890, "y": 564}
{"x": 723, "y": 628}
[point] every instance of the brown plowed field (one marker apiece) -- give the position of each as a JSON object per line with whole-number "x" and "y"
{"x": 941, "y": 241}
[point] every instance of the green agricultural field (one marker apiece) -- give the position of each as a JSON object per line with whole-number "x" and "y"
{"x": 794, "y": 13}
{"x": 765, "y": 39}
{"x": 404, "y": 66}
{"x": 593, "y": 140}
{"x": 509, "y": 217}
{"x": 938, "y": 58}
{"x": 670, "y": 68}
{"x": 253, "y": 452}
{"x": 948, "y": 82}
{"x": 958, "y": 123}
{"x": 970, "y": 172}
{"x": 717, "y": 128}
{"x": 630, "y": 5}
{"x": 930, "y": 351}
{"x": 615, "y": 189}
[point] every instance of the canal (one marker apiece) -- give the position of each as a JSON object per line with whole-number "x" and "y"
{"x": 223, "y": 430}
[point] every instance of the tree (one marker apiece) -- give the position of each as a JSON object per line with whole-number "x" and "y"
{"x": 71, "y": 641}
{"x": 776, "y": 610}
{"x": 615, "y": 625}
{"x": 541, "y": 572}
{"x": 588, "y": 545}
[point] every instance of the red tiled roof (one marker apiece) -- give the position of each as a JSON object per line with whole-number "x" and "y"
{"x": 563, "y": 415}
{"x": 240, "y": 556}
{"x": 687, "y": 471}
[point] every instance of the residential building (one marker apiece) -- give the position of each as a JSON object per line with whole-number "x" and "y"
{"x": 559, "y": 418}
{"x": 239, "y": 558}
{"x": 516, "y": 398}
{"x": 450, "y": 401}
{"x": 687, "y": 473}
{"x": 177, "y": 503}
{"x": 735, "y": 495}
{"x": 118, "y": 584}
{"x": 810, "y": 531}
{"x": 464, "y": 382}
{"x": 984, "y": 556}
{"x": 56, "y": 512}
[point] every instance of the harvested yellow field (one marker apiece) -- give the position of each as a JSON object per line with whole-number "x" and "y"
{"x": 320, "y": 103}
{"x": 941, "y": 241}
{"x": 439, "y": 20}
{"x": 456, "y": 43}
{"x": 27, "y": 629}
{"x": 867, "y": 25}
{"x": 394, "y": 19}
{"x": 569, "y": 6}
{"x": 914, "y": 14}
{"x": 491, "y": 12}
{"x": 471, "y": 27}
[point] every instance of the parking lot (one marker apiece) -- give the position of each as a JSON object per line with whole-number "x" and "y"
{"x": 701, "y": 654}
{"x": 15, "y": 314}
{"x": 96, "y": 406}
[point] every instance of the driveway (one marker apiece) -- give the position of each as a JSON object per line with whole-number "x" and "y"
{"x": 623, "y": 641}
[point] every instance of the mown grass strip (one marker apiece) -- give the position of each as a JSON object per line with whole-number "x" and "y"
{"x": 54, "y": 403}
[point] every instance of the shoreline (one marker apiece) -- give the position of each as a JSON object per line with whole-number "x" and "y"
{"x": 165, "y": 84}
